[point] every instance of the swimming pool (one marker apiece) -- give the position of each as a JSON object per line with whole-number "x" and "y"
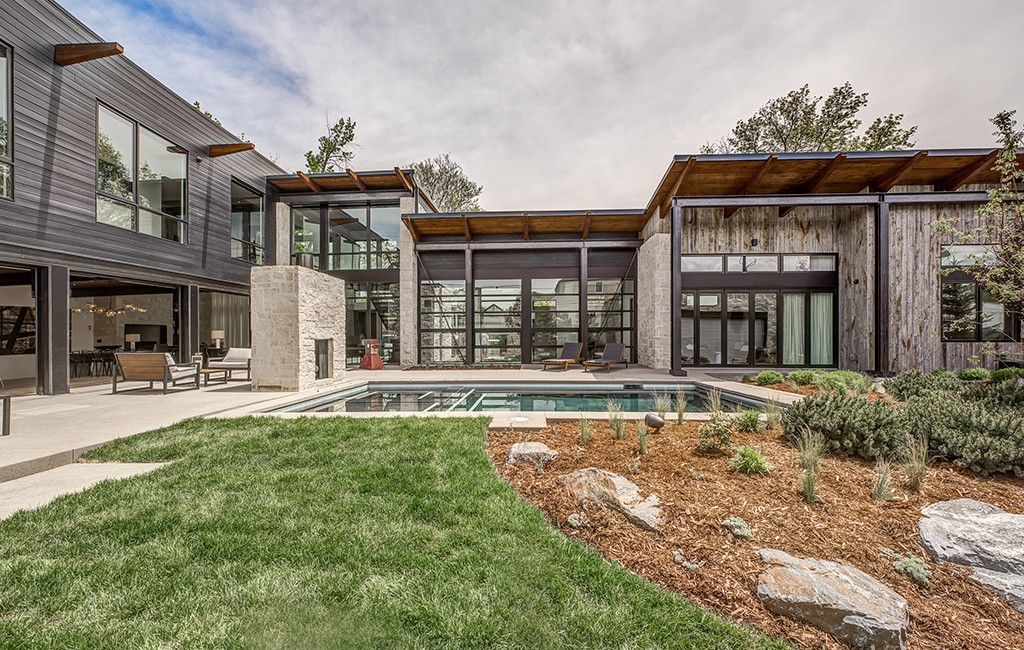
{"x": 483, "y": 397}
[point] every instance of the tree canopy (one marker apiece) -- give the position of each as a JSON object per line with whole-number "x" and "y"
{"x": 798, "y": 121}
{"x": 331, "y": 154}
{"x": 447, "y": 185}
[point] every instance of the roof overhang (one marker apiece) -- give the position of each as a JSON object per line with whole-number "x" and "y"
{"x": 524, "y": 225}
{"x": 351, "y": 181}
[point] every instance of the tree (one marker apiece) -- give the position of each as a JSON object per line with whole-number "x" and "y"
{"x": 799, "y": 122}
{"x": 447, "y": 185}
{"x": 208, "y": 114}
{"x": 331, "y": 155}
{"x": 1000, "y": 223}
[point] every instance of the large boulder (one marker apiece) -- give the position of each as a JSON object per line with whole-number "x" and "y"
{"x": 980, "y": 536}
{"x": 836, "y": 598}
{"x": 615, "y": 492}
{"x": 530, "y": 452}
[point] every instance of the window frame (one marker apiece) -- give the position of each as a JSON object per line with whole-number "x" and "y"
{"x": 134, "y": 202}
{"x": 977, "y": 334}
{"x": 262, "y": 246}
{"x": 8, "y": 159}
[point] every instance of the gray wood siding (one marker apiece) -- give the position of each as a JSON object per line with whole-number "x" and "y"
{"x": 856, "y": 233}
{"x": 54, "y": 207}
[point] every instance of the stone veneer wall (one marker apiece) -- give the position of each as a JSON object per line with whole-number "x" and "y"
{"x": 408, "y": 295}
{"x": 654, "y": 302}
{"x": 283, "y": 233}
{"x": 291, "y": 307}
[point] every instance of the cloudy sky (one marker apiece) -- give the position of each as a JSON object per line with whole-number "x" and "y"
{"x": 558, "y": 105}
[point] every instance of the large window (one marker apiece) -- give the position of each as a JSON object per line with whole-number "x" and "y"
{"x": 6, "y": 120}
{"x": 498, "y": 319}
{"x": 555, "y": 315}
{"x": 142, "y": 179}
{"x": 969, "y": 312}
{"x": 610, "y": 305}
{"x": 443, "y": 322}
{"x": 246, "y": 223}
{"x": 359, "y": 236}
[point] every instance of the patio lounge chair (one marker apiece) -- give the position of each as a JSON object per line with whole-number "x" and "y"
{"x": 152, "y": 367}
{"x": 571, "y": 353}
{"x": 611, "y": 355}
{"x": 234, "y": 359}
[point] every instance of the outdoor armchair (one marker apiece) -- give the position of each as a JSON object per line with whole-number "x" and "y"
{"x": 234, "y": 359}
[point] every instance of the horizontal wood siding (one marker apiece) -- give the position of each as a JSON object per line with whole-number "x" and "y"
{"x": 54, "y": 207}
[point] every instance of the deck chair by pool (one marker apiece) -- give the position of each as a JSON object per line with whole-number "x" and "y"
{"x": 571, "y": 353}
{"x": 152, "y": 367}
{"x": 611, "y": 355}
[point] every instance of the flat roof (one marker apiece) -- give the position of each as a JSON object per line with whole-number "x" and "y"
{"x": 396, "y": 179}
{"x": 822, "y": 173}
{"x": 545, "y": 222}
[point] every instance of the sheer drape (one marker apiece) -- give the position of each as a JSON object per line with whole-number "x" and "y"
{"x": 821, "y": 329}
{"x": 793, "y": 329}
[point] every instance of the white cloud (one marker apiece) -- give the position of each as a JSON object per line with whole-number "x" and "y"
{"x": 576, "y": 104}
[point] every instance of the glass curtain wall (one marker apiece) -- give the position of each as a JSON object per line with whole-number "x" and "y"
{"x": 372, "y": 313}
{"x": 610, "y": 306}
{"x": 497, "y": 319}
{"x": 359, "y": 236}
{"x": 306, "y": 232}
{"x": 443, "y": 323}
{"x": 226, "y": 312}
{"x": 555, "y": 316}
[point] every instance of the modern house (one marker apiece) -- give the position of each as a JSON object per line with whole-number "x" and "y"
{"x": 130, "y": 219}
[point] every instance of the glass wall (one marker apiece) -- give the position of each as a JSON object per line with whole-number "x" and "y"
{"x": 246, "y": 223}
{"x": 6, "y": 116}
{"x": 794, "y": 317}
{"x": 497, "y": 319}
{"x": 610, "y": 306}
{"x": 154, "y": 205}
{"x": 359, "y": 236}
{"x": 969, "y": 312}
{"x": 555, "y": 316}
{"x": 372, "y": 312}
{"x": 347, "y": 233}
{"x": 226, "y": 312}
{"x": 306, "y": 232}
{"x": 443, "y": 323}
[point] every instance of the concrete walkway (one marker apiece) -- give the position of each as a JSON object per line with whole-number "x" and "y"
{"x": 34, "y": 491}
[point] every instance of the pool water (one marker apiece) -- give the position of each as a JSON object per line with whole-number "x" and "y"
{"x": 435, "y": 398}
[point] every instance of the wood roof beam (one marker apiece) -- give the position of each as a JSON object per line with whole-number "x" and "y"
{"x": 963, "y": 176}
{"x": 412, "y": 229}
{"x": 667, "y": 203}
{"x": 812, "y": 186}
{"x": 310, "y": 183}
{"x": 355, "y": 179}
{"x": 526, "y": 226}
{"x": 587, "y": 220}
{"x": 71, "y": 53}
{"x": 465, "y": 228}
{"x": 218, "y": 150}
{"x": 751, "y": 184}
{"x": 889, "y": 181}
{"x": 405, "y": 179}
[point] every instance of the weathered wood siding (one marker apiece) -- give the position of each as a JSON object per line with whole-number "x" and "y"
{"x": 856, "y": 239}
{"x": 53, "y": 216}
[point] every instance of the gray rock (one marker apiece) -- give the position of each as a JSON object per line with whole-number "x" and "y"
{"x": 974, "y": 534}
{"x": 576, "y": 520}
{"x": 1007, "y": 585}
{"x": 836, "y": 598}
{"x": 738, "y": 527}
{"x": 617, "y": 493}
{"x": 530, "y": 452}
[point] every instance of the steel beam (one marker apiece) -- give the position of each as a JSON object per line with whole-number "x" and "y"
{"x": 782, "y": 200}
{"x": 533, "y": 245}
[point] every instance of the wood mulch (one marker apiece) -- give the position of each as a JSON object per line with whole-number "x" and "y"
{"x": 698, "y": 491}
{"x": 787, "y": 387}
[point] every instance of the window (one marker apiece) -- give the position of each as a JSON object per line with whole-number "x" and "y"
{"x": 965, "y": 255}
{"x": 498, "y": 317}
{"x": 555, "y": 315}
{"x": 141, "y": 179}
{"x": 970, "y": 314}
{"x": 610, "y": 304}
{"x": 359, "y": 236}
{"x": 752, "y": 263}
{"x": 443, "y": 323}
{"x": 808, "y": 262}
{"x": 246, "y": 223}
{"x": 764, "y": 263}
{"x": 702, "y": 264}
{"x": 6, "y": 121}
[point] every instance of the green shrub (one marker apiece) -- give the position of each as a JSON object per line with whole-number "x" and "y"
{"x": 769, "y": 377}
{"x": 1004, "y": 374}
{"x": 916, "y": 384}
{"x": 975, "y": 374}
{"x": 749, "y": 421}
{"x": 584, "y": 431}
{"x": 1002, "y": 395}
{"x": 748, "y": 460}
{"x": 941, "y": 373}
{"x": 715, "y": 434}
{"x": 772, "y": 414}
{"x": 830, "y": 383}
{"x": 738, "y": 527}
{"x": 849, "y": 425}
{"x": 849, "y": 378}
{"x": 803, "y": 377}
{"x": 881, "y": 490}
{"x": 911, "y": 566}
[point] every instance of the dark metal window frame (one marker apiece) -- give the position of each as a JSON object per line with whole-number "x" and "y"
{"x": 452, "y": 328}
{"x": 263, "y": 224}
{"x": 134, "y": 202}
{"x": 323, "y": 257}
{"x": 779, "y": 269}
{"x": 964, "y": 277}
{"x": 9, "y": 158}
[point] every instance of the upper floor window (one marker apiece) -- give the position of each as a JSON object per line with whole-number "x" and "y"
{"x": 141, "y": 178}
{"x": 246, "y": 223}
{"x": 6, "y": 119}
{"x": 357, "y": 236}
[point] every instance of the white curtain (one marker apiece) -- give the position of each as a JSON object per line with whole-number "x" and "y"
{"x": 821, "y": 329}
{"x": 823, "y": 263}
{"x": 793, "y": 329}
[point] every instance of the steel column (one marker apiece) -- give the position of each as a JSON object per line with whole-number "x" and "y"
{"x": 470, "y": 347}
{"x": 188, "y": 327}
{"x": 53, "y": 330}
{"x": 881, "y": 241}
{"x": 584, "y": 307}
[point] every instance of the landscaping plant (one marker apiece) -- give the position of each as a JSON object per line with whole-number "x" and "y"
{"x": 810, "y": 447}
{"x": 1003, "y": 374}
{"x": 738, "y": 527}
{"x": 681, "y": 399}
{"x": 769, "y": 377}
{"x": 881, "y": 490}
{"x": 615, "y": 420}
{"x": 772, "y": 413}
{"x": 850, "y": 425}
{"x": 662, "y": 403}
{"x": 809, "y": 486}
{"x": 641, "y": 435}
{"x": 916, "y": 461}
{"x": 748, "y": 460}
{"x": 975, "y": 374}
{"x": 713, "y": 401}
{"x": 909, "y": 565}
{"x": 715, "y": 434}
{"x": 749, "y": 421}
{"x": 803, "y": 377}
{"x": 584, "y": 431}
{"x": 917, "y": 384}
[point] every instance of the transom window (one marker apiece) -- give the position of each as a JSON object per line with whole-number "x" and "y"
{"x": 764, "y": 263}
{"x": 141, "y": 178}
{"x": 246, "y": 223}
{"x": 6, "y": 120}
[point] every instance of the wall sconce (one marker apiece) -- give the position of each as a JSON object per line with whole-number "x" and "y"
{"x": 753, "y": 242}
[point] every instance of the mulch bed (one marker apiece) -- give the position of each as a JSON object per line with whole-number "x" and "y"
{"x": 698, "y": 491}
{"x": 787, "y": 387}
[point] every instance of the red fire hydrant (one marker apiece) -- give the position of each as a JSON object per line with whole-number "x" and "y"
{"x": 371, "y": 355}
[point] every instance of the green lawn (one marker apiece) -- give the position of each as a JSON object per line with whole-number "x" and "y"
{"x": 392, "y": 533}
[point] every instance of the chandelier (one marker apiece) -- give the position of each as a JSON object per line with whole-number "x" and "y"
{"x": 109, "y": 311}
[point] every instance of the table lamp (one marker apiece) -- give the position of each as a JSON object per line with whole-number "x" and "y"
{"x": 132, "y": 339}
{"x": 218, "y": 337}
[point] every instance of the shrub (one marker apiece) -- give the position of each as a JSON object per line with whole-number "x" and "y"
{"x": 830, "y": 383}
{"x": 809, "y": 485}
{"x": 584, "y": 431}
{"x": 769, "y": 377}
{"x": 772, "y": 413}
{"x": 746, "y": 379}
{"x": 748, "y": 460}
{"x": 916, "y": 384}
{"x": 975, "y": 374}
{"x": 803, "y": 377}
{"x": 1004, "y": 374}
{"x": 681, "y": 399}
{"x": 1002, "y": 395}
{"x": 881, "y": 490}
{"x": 911, "y": 566}
{"x": 715, "y": 434}
{"x": 862, "y": 385}
{"x": 849, "y": 425}
{"x": 662, "y": 403}
{"x": 749, "y": 421}
{"x": 916, "y": 462}
{"x": 942, "y": 373}
{"x": 615, "y": 420}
